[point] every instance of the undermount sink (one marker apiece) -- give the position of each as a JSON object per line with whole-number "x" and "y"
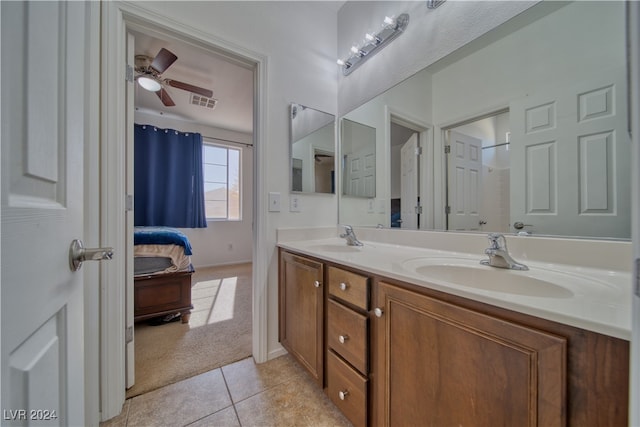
{"x": 335, "y": 248}
{"x": 536, "y": 282}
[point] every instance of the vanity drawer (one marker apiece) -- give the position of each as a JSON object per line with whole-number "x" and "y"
{"x": 350, "y": 287}
{"x": 347, "y": 389}
{"x": 347, "y": 334}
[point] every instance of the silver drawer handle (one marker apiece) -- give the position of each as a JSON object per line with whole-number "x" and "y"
{"x": 79, "y": 254}
{"x": 343, "y": 338}
{"x": 316, "y": 284}
{"x": 343, "y": 394}
{"x": 378, "y": 312}
{"x": 343, "y": 286}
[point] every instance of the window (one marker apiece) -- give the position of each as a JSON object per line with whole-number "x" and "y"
{"x": 221, "y": 171}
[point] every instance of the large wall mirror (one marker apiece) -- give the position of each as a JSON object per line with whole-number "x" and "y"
{"x": 312, "y": 150}
{"x": 524, "y": 130}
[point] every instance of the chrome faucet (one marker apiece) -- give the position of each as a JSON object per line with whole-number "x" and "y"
{"x": 499, "y": 255}
{"x": 352, "y": 240}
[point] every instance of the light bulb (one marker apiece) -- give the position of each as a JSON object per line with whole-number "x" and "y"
{"x": 355, "y": 49}
{"x": 340, "y": 62}
{"x": 149, "y": 84}
{"x": 389, "y": 21}
{"x": 369, "y": 37}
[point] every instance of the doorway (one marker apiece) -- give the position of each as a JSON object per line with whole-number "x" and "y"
{"x": 222, "y": 252}
{"x": 478, "y": 174}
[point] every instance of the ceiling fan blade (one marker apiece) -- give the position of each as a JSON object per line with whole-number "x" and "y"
{"x": 190, "y": 88}
{"x": 165, "y": 98}
{"x": 163, "y": 60}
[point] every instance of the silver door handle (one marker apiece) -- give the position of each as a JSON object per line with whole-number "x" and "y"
{"x": 519, "y": 225}
{"x": 78, "y": 254}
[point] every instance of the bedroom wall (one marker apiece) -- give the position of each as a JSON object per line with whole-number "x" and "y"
{"x": 299, "y": 40}
{"x": 222, "y": 242}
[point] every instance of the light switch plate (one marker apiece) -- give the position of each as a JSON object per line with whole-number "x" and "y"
{"x": 274, "y": 202}
{"x": 294, "y": 203}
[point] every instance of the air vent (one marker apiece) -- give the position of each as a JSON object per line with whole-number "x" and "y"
{"x": 203, "y": 101}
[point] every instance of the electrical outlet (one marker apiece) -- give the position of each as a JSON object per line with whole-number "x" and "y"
{"x": 274, "y": 202}
{"x": 294, "y": 203}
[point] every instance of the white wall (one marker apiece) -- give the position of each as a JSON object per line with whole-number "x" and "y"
{"x": 222, "y": 242}
{"x": 299, "y": 41}
{"x": 431, "y": 35}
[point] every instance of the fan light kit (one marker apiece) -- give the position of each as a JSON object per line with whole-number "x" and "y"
{"x": 149, "y": 76}
{"x": 391, "y": 28}
{"x": 149, "y": 84}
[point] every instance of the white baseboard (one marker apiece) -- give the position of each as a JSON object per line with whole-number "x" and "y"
{"x": 277, "y": 353}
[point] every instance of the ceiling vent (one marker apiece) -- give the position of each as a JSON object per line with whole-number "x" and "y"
{"x": 203, "y": 101}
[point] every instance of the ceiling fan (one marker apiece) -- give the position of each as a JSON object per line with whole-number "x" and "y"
{"x": 149, "y": 76}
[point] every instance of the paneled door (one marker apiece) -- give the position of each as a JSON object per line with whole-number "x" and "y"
{"x": 574, "y": 149}
{"x": 465, "y": 182}
{"x": 409, "y": 183}
{"x": 43, "y": 134}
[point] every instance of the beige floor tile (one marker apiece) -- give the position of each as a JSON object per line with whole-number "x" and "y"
{"x": 224, "y": 418}
{"x": 298, "y": 402}
{"x": 181, "y": 403}
{"x": 245, "y": 378}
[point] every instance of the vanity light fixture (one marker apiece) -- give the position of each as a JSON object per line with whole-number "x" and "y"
{"x": 432, "y": 4}
{"x": 373, "y": 43}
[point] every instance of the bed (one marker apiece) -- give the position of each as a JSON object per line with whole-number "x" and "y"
{"x": 162, "y": 274}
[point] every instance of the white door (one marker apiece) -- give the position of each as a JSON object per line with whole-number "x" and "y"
{"x": 574, "y": 147}
{"x": 43, "y": 131}
{"x": 465, "y": 182}
{"x": 360, "y": 173}
{"x": 409, "y": 183}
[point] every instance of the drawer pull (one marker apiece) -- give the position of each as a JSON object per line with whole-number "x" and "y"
{"x": 343, "y": 394}
{"x": 378, "y": 312}
{"x": 343, "y": 286}
{"x": 316, "y": 284}
{"x": 343, "y": 338}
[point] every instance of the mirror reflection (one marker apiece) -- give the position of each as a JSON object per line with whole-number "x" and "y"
{"x": 312, "y": 150}
{"x": 358, "y": 159}
{"x": 524, "y": 130}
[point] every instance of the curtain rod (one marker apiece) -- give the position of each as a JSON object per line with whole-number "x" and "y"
{"x": 228, "y": 140}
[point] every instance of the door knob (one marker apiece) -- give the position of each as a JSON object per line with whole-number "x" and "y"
{"x": 78, "y": 254}
{"x": 519, "y": 225}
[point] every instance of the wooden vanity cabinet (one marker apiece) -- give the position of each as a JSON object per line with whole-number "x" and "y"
{"x": 444, "y": 365}
{"x": 348, "y": 343}
{"x": 439, "y": 359}
{"x": 301, "y": 297}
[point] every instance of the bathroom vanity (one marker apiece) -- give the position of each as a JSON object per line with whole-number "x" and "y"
{"x": 393, "y": 341}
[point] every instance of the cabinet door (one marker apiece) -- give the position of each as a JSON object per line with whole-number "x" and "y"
{"x": 301, "y": 311}
{"x": 442, "y": 365}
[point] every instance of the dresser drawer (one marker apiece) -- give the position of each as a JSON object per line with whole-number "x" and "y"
{"x": 347, "y": 389}
{"x": 347, "y": 334}
{"x": 350, "y": 287}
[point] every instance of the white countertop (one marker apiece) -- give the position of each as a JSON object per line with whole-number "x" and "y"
{"x": 594, "y": 299}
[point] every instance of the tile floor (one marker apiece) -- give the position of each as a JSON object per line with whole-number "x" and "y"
{"x": 275, "y": 393}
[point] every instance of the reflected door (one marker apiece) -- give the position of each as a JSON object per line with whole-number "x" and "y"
{"x": 574, "y": 148}
{"x": 464, "y": 182}
{"x": 409, "y": 183}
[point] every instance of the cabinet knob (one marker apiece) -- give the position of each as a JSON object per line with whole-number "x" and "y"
{"x": 343, "y": 338}
{"x": 343, "y": 394}
{"x": 343, "y": 286}
{"x": 316, "y": 284}
{"x": 378, "y": 312}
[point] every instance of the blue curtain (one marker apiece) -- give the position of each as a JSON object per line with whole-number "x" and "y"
{"x": 169, "y": 189}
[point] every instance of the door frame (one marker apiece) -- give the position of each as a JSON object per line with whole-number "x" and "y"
{"x": 426, "y": 169}
{"x": 117, "y": 18}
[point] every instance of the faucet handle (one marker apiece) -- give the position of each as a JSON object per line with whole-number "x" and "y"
{"x": 497, "y": 241}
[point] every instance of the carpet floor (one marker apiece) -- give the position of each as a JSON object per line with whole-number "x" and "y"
{"x": 218, "y": 333}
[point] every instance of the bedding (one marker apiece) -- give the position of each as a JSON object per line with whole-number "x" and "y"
{"x": 160, "y": 250}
